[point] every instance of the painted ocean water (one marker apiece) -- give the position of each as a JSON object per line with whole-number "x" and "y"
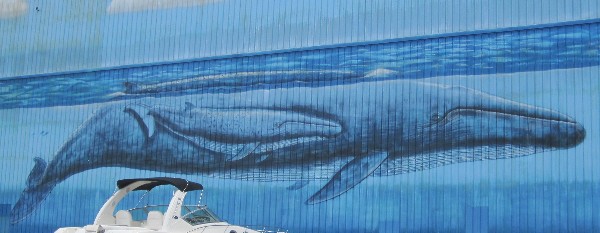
{"x": 559, "y": 47}
{"x": 556, "y": 191}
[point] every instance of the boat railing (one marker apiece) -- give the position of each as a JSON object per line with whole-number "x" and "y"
{"x": 189, "y": 207}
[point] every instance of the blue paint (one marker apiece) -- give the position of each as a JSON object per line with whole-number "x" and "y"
{"x": 553, "y": 69}
{"x": 559, "y": 47}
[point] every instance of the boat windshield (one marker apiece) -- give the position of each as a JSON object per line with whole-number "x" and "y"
{"x": 141, "y": 213}
{"x": 197, "y": 215}
{"x": 192, "y": 214}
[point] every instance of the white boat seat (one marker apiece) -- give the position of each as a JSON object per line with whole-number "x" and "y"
{"x": 155, "y": 220}
{"x": 123, "y": 218}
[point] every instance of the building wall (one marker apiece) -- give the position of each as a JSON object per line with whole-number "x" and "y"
{"x": 47, "y": 37}
{"x": 383, "y": 116}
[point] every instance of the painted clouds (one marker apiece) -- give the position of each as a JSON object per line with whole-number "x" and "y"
{"x": 121, "y": 6}
{"x": 12, "y": 8}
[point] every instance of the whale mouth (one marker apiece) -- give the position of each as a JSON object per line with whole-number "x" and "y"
{"x": 531, "y": 126}
{"x": 520, "y": 111}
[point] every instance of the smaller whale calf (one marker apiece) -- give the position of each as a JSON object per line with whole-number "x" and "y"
{"x": 240, "y": 79}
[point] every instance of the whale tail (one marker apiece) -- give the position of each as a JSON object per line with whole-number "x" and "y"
{"x": 34, "y": 193}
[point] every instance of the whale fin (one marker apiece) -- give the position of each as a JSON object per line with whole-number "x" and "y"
{"x": 245, "y": 151}
{"x": 36, "y": 173}
{"x": 298, "y": 185}
{"x": 349, "y": 176}
{"x": 146, "y": 121}
{"x": 34, "y": 193}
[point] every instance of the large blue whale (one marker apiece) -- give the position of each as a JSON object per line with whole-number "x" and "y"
{"x": 341, "y": 134}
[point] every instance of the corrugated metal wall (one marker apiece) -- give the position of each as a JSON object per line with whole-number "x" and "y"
{"x": 74, "y": 35}
{"x": 313, "y": 116}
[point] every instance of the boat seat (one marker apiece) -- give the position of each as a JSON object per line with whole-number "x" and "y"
{"x": 155, "y": 220}
{"x": 123, "y": 218}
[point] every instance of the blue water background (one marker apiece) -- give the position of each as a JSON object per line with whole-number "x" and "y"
{"x": 556, "y": 191}
{"x": 557, "y": 47}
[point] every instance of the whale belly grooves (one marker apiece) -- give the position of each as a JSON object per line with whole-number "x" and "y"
{"x": 425, "y": 161}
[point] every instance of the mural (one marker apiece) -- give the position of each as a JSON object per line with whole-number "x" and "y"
{"x": 354, "y": 130}
{"x": 484, "y": 132}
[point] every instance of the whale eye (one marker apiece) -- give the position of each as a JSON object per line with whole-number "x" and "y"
{"x": 435, "y": 117}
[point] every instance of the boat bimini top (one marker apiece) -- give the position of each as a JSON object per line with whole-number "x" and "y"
{"x": 181, "y": 184}
{"x": 105, "y": 215}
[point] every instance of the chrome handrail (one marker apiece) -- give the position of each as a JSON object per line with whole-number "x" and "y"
{"x": 163, "y": 205}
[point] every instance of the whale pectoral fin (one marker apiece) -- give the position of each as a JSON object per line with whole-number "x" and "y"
{"x": 146, "y": 122}
{"x": 245, "y": 151}
{"x": 298, "y": 185}
{"x": 349, "y": 176}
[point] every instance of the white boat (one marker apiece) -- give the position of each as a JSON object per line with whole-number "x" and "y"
{"x": 173, "y": 218}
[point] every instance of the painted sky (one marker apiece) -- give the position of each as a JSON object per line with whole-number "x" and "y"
{"x": 67, "y": 35}
{"x": 12, "y": 8}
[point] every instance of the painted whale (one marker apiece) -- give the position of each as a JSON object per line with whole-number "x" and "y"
{"x": 341, "y": 133}
{"x": 240, "y": 80}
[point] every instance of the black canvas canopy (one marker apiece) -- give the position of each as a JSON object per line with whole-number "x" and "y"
{"x": 181, "y": 184}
